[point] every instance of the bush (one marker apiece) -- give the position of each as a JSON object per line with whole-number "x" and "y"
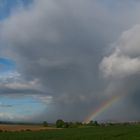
{"x": 28, "y": 130}
{"x": 60, "y": 123}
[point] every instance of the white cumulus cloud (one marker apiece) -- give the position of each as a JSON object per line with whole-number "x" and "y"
{"x": 125, "y": 59}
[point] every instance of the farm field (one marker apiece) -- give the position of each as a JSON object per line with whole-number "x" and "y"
{"x": 13, "y": 128}
{"x": 131, "y": 132}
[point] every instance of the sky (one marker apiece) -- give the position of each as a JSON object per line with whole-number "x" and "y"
{"x": 69, "y": 60}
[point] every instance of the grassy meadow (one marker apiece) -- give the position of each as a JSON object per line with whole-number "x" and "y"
{"x": 121, "y": 132}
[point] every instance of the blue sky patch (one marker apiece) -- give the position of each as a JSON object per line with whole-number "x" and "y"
{"x": 6, "y": 6}
{"x": 26, "y": 106}
{"x": 6, "y": 65}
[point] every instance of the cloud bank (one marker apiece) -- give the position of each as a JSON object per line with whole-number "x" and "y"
{"x": 62, "y": 51}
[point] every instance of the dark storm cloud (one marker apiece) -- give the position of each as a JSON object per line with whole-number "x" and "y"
{"x": 6, "y": 90}
{"x": 61, "y": 43}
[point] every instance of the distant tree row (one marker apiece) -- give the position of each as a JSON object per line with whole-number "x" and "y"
{"x": 61, "y": 124}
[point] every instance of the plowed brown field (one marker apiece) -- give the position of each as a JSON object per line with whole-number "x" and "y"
{"x": 4, "y": 127}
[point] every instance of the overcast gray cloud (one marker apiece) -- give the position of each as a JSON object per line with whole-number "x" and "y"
{"x": 61, "y": 45}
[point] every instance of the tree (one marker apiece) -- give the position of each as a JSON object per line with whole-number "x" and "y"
{"x": 45, "y": 124}
{"x": 66, "y": 125}
{"x": 96, "y": 123}
{"x": 60, "y": 123}
{"x": 93, "y": 123}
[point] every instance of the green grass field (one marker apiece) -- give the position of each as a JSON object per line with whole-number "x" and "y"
{"x": 131, "y": 132}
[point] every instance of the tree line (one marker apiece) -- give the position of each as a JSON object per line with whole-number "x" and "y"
{"x": 62, "y": 124}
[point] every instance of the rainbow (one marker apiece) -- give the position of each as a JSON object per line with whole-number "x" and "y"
{"x": 104, "y": 106}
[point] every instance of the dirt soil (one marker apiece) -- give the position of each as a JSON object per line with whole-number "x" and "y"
{"x": 5, "y": 127}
